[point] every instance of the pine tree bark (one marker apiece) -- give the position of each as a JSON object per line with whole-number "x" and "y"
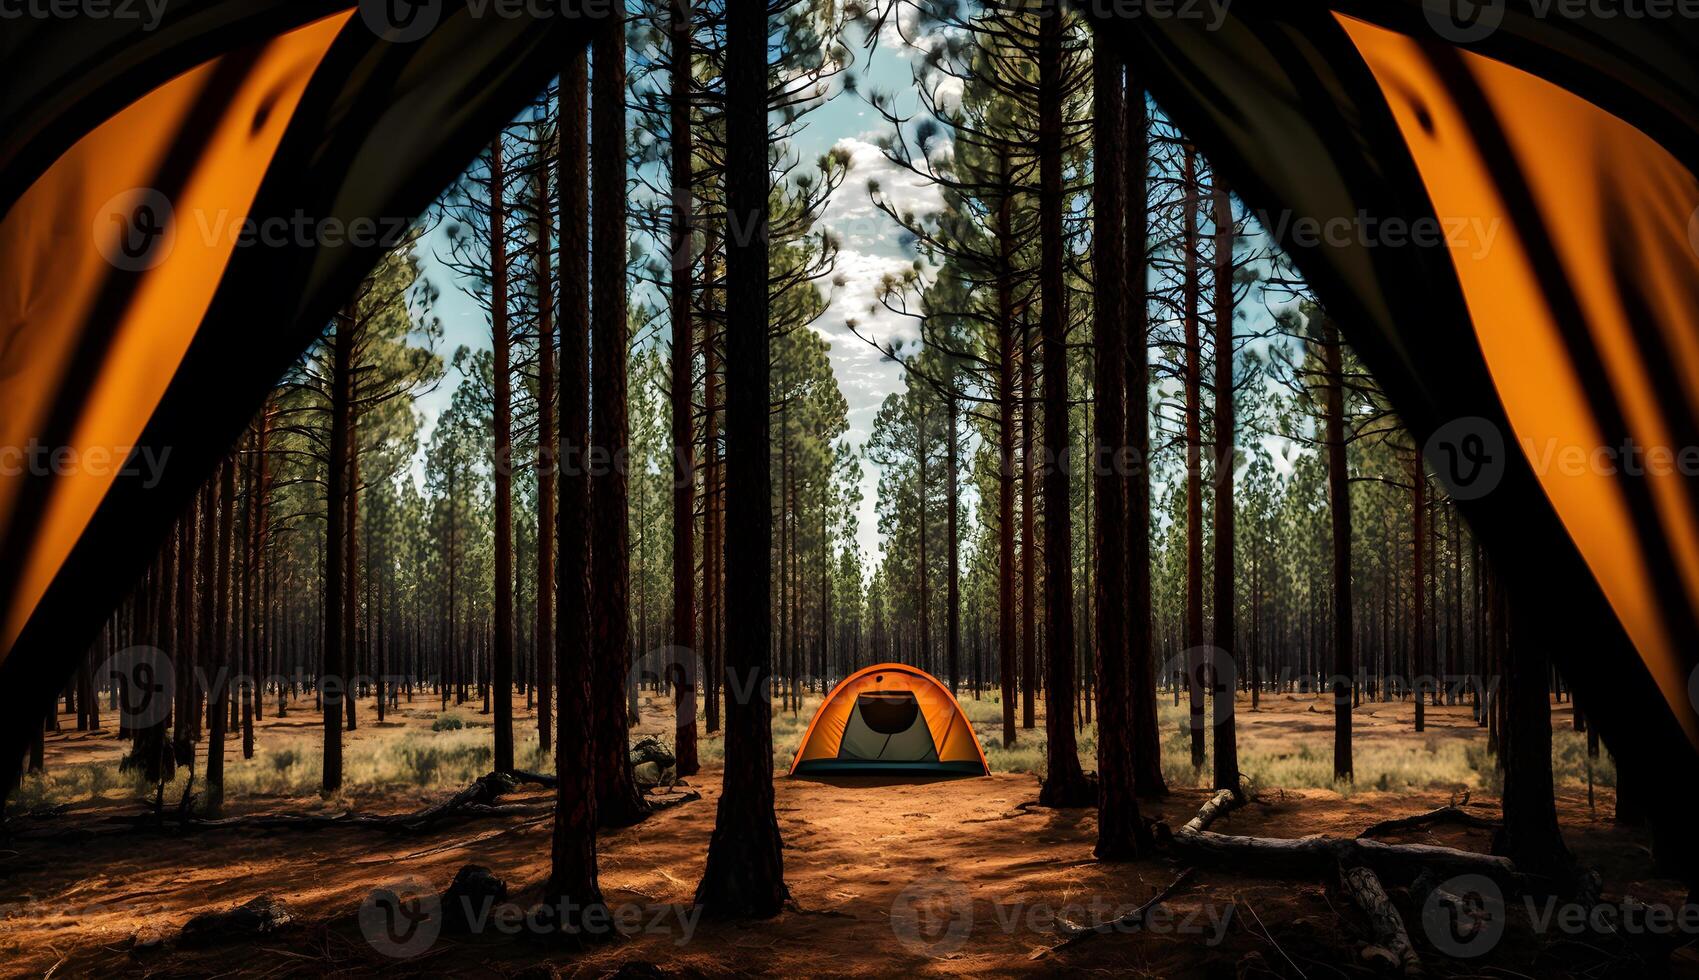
{"x": 745, "y": 871}
{"x": 953, "y": 592}
{"x": 1418, "y": 592}
{"x": 1529, "y": 836}
{"x": 1339, "y": 503}
{"x": 713, "y": 519}
{"x": 331, "y": 678}
{"x": 1029, "y": 529}
{"x": 573, "y": 876}
{"x": 687, "y": 654}
{"x": 1225, "y": 594}
{"x": 1195, "y": 665}
{"x": 1064, "y": 782}
{"x": 1121, "y": 833}
{"x": 1008, "y": 343}
{"x": 1141, "y": 684}
{"x": 501, "y": 679}
{"x": 548, "y": 463}
{"x": 617, "y": 801}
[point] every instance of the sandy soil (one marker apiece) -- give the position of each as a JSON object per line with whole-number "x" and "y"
{"x": 934, "y": 878}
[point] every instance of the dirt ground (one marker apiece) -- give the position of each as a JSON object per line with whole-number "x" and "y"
{"x": 887, "y": 878}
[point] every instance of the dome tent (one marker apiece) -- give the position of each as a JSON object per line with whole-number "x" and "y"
{"x": 890, "y": 719}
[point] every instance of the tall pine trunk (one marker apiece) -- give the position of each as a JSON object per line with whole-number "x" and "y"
{"x": 683, "y": 407}
{"x": 1141, "y": 682}
{"x": 617, "y": 801}
{"x": 548, "y": 463}
{"x": 331, "y": 678}
{"x": 1339, "y": 503}
{"x": 1008, "y": 341}
{"x": 1064, "y": 782}
{"x": 1119, "y": 829}
{"x": 501, "y": 673}
{"x": 1225, "y": 597}
{"x": 1530, "y": 835}
{"x": 1029, "y": 532}
{"x": 1418, "y": 631}
{"x": 218, "y": 709}
{"x": 572, "y": 859}
{"x": 713, "y": 504}
{"x": 745, "y": 870}
{"x": 953, "y": 595}
{"x": 1195, "y": 665}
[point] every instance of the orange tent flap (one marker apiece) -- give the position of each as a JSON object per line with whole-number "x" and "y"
{"x": 1605, "y": 194}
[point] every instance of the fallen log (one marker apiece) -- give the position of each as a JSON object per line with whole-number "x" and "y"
{"x": 1316, "y": 855}
{"x": 1392, "y": 942}
{"x": 1445, "y": 814}
{"x": 1222, "y": 802}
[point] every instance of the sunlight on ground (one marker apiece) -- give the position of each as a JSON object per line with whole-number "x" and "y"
{"x": 1286, "y": 744}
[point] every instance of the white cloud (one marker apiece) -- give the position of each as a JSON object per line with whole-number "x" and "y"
{"x": 852, "y": 213}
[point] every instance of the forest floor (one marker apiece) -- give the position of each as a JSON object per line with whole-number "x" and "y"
{"x": 943, "y": 877}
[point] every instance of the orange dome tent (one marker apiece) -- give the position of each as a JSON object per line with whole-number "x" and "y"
{"x": 890, "y": 719}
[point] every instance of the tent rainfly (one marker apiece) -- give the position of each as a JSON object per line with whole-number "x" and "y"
{"x": 890, "y": 719}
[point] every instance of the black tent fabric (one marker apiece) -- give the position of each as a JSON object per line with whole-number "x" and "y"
{"x": 1281, "y": 99}
{"x": 1278, "y": 93}
{"x": 353, "y": 150}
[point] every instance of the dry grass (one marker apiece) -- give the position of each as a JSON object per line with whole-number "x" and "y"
{"x": 1286, "y": 743}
